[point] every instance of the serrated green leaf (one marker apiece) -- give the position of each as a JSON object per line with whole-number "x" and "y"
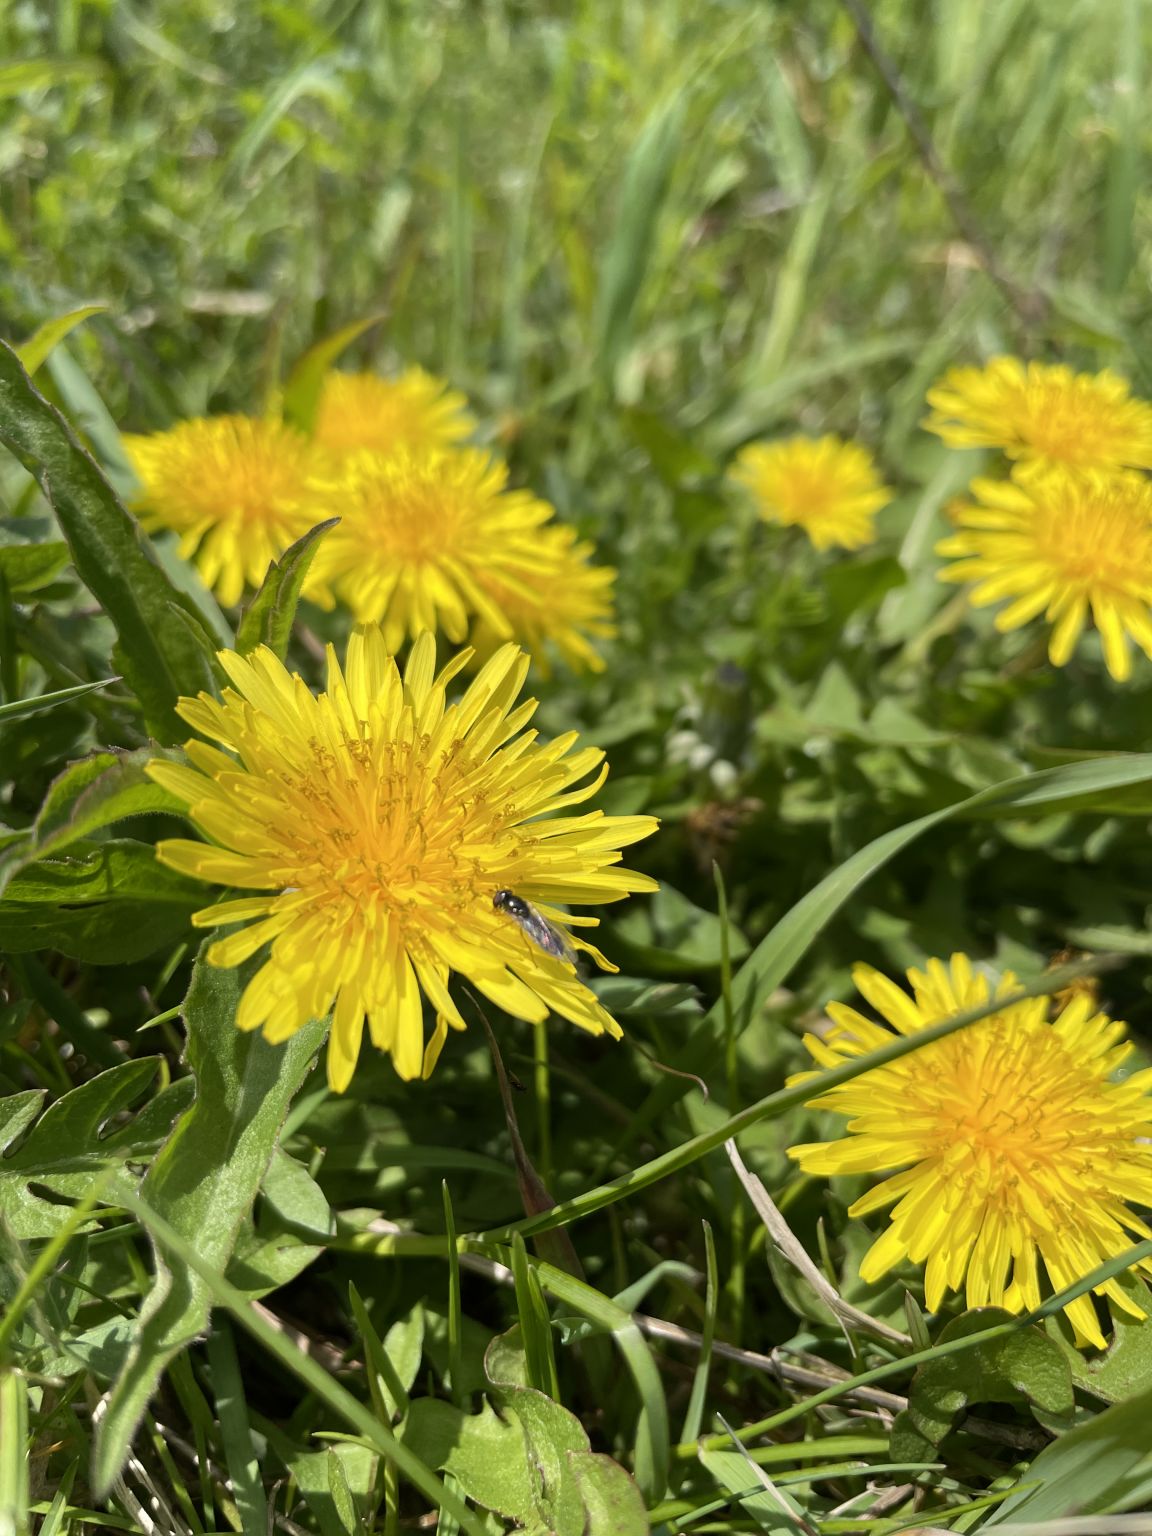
{"x": 49, "y": 335}
{"x": 96, "y": 793}
{"x": 304, "y": 383}
{"x": 109, "y": 903}
{"x": 1026, "y": 1365}
{"x": 64, "y": 1151}
{"x": 269, "y": 616}
{"x": 1125, "y": 1369}
{"x": 160, "y": 659}
{"x": 204, "y": 1182}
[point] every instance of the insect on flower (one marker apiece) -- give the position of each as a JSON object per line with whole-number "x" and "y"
{"x": 544, "y": 934}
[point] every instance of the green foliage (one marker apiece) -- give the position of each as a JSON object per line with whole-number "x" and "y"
{"x": 204, "y": 1181}
{"x": 637, "y": 237}
{"x": 269, "y": 616}
{"x": 63, "y": 1150}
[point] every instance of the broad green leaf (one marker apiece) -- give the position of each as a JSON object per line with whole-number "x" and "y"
{"x": 30, "y": 553}
{"x": 652, "y": 1448}
{"x": 485, "y": 1452}
{"x": 204, "y": 1182}
{"x": 303, "y": 385}
{"x": 287, "y": 1230}
{"x": 106, "y": 902}
{"x": 1086, "y": 1471}
{"x": 160, "y": 656}
{"x": 1026, "y": 1365}
{"x": 47, "y": 336}
{"x": 1125, "y": 1369}
{"x": 612, "y": 1502}
{"x": 64, "y": 1151}
{"x": 18, "y": 709}
{"x": 269, "y": 616}
{"x": 554, "y": 1438}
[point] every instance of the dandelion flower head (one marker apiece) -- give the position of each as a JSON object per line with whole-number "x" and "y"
{"x": 824, "y": 485}
{"x": 433, "y": 539}
{"x": 370, "y": 828}
{"x": 414, "y": 410}
{"x": 1043, "y": 413}
{"x": 1013, "y": 1146}
{"x": 1064, "y": 545}
{"x": 554, "y": 598}
{"x": 237, "y": 489}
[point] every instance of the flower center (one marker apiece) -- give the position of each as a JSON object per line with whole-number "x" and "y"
{"x": 1010, "y": 1118}
{"x": 412, "y": 509}
{"x": 375, "y": 829}
{"x": 1100, "y": 538}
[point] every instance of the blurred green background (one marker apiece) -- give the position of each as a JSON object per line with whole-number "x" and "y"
{"x": 638, "y": 235}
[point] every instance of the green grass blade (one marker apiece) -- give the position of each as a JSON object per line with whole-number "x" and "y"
{"x": 694, "y": 1413}
{"x": 204, "y": 1181}
{"x": 626, "y": 258}
{"x": 236, "y": 1432}
{"x": 19, "y": 708}
{"x": 774, "y": 959}
{"x": 313, "y": 1375}
{"x": 14, "y": 1489}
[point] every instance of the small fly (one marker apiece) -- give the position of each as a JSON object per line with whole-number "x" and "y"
{"x": 546, "y": 935}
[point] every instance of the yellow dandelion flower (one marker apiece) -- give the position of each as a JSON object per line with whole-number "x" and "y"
{"x": 824, "y": 485}
{"x": 1014, "y": 1144}
{"x": 371, "y": 828}
{"x": 237, "y": 489}
{"x": 433, "y": 539}
{"x": 1064, "y": 545}
{"x": 552, "y": 595}
{"x": 415, "y": 410}
{"x": 1043, "y": 413}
